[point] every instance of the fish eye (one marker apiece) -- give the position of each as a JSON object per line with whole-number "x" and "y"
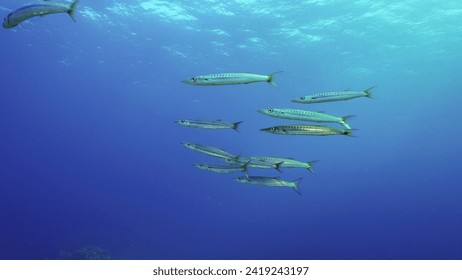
{"x": 193, "y": 79}
{"x": 272, "y": 129}
{"x": 302, "y": 98}
{"x": 270, "y": 110}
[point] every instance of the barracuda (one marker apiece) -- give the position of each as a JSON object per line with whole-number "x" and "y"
{"x": 230, "y": 79}
{"x": 287, "y": 162}
{"x": 218, "y": 124}
{"x": 333, "y": 96}
{"x": 208, "y": 150}
{"x": 46, "y": 8}
{"x": 303, "y": 115}
{"x": 275, "y": 162}
{"x": 223, "y": 168}
{"x": 237, "y": 160}
{"x": 270, "y": 182}
{"x": 303, "y": 129}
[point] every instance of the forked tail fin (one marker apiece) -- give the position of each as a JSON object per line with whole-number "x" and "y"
{"x": 349, "y": 132}
{"x": 271, "y": 78}
{"x": 368, "y": 92}
{"x": 244, "y": 169}
{"x": 71, "y": 11}
{"x": 236, "y": 126}
{"x": 310, "y": 166}
{"x": 277, "y": 166}
{"x": 344, "y": 123}
{"x": 295, "y": 185}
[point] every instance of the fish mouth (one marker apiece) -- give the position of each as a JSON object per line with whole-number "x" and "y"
{"x": 261, "y": 111}
{"x": 296, "y": 100}
{"x": 187, "y": 81}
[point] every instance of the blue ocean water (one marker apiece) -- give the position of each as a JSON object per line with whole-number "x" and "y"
{"x": 90, "y": 154}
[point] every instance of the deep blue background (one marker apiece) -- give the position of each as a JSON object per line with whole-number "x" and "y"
{"x": 90, "y": 153}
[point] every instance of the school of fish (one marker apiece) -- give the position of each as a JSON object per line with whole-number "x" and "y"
{"x": 238, "y": 163}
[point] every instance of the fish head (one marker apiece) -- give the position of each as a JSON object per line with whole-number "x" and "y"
{"x": 200, "y": 165}
{"x": 197, "y": 81}
{"x": 267, "y": 111}
{"x": 303, "y": 99}
{"x": 269, "y": 129}
{"x": 232, "y": 160}
{"x": 182, "y": 122}
{"x": 188, "y": 81}
{"x": 192, "y": 81}
{"x": 187, "y": 144}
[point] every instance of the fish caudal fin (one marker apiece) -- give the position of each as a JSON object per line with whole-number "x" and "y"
{"x": 348, "y": 132}
{"x": 310, "y": 166}
{"x": 271, "y": 78}
{"x": 294, "y": 185}
{"x": 236, "y": 126}
{"x": 368, "y": 92}
{"x": 244, "y": 169}
{"x": 71, "y": 11}
{"x": 277, "y": 166}
{"x": 344, "y": 123}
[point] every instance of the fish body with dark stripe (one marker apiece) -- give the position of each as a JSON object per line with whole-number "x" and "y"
{"x": 304, "y": 129}
{"x": 303, "y": 115}
{"x": 270, "y": 182}
{"x": 40, "y": 9}
{"x": 333, "y": 96}
{"x": 208, "y": 150}
{"x": 218, "y": 124}
{"x": 221, "y": 79}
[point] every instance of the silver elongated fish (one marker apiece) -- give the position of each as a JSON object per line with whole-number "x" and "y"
{"x": 270, "y": 182}
{"x": 283, "y": 162}
{"x": 208, "y": 150}
{"x": 253, "y": 163}
{"x": 39, "y": 9}
{"x": 218, "y": 124}
{"x": 221, "y": 79}
{"x": 333, "y": 96}
{"x": 223, "y": 168}
{"x": 304, "y": 129}
{"x": 303, "y": 115}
